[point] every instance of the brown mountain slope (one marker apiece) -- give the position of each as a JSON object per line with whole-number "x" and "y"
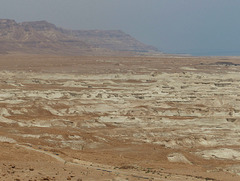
{"x": 41, "y": 37}
{"x": 25, "y": 38}
{"x": 115, "y": 40}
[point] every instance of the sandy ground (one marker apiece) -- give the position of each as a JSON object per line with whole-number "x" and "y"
{"x": 119, "y": 118}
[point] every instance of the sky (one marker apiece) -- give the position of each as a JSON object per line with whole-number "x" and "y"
{"x": 197, "y": 27}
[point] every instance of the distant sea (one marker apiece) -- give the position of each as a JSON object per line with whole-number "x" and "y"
{"x": 208, "y": 53}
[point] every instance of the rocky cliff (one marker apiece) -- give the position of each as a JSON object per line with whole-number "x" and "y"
{"x": 42, "y": 37}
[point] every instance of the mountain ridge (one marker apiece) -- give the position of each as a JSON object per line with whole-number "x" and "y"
{"x": 42, "y": 37}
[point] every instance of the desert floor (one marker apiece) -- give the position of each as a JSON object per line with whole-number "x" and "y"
{"x": 119, "y": 118}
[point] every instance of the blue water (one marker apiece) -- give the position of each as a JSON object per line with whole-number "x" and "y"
{"x": 217, "y": 53}
{"x": 209, "y": 53}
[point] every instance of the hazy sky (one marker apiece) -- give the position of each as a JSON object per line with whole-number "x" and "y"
{"x": 173, "y": 26}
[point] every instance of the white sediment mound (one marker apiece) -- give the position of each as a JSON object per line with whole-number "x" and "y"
{"x": 178, "y": 158}
{"x": 223, "y": 153}
{"x": 6, "y": 120}
{"x": 6, "y": 139}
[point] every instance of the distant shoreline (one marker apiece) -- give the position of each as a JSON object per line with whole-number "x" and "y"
{"x": 207, "y": 54}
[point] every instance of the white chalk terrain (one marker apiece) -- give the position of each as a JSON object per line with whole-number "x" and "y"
{"x": 170, "y": 118}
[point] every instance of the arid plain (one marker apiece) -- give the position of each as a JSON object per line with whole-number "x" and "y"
{"x": 119, "y": 118}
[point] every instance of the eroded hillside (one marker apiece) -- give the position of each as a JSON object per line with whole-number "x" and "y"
{"x": 41, "y": 37}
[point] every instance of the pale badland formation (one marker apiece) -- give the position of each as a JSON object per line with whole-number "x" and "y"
{"x": 73, "y": 108}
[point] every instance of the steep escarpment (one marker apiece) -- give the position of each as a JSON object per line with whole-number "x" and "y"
{"x": 38, "y": 37}
{"x": 42, "y": 37}
{"x": 115, "y": 40}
